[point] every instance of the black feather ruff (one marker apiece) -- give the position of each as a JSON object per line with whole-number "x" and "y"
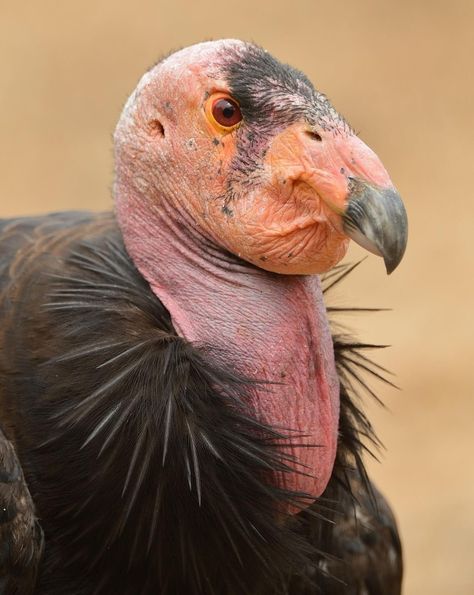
{"x": 164, "y": 478}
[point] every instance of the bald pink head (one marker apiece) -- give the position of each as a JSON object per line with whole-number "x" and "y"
{"x": 273, "y": 188}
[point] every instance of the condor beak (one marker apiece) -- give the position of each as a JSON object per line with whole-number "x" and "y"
{"x": 339, "y": 189}
{"x": 375, "y": 218}
{"x": 349, "y": 177}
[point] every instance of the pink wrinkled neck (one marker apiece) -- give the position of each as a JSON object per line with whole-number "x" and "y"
{"x": 266, "y": 326}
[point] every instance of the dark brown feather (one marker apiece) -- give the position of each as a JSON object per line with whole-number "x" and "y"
{"x": 21, "y": 538}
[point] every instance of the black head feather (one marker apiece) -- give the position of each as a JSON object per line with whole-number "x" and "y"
{"x": 272, "y": 95}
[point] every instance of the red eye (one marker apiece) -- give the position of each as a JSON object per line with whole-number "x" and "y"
{"x": 226, "y": 112}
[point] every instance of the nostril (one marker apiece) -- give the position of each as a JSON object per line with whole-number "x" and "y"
{"x": 314, "y": 135}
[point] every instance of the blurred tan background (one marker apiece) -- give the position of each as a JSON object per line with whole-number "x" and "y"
{"x": 402, "y": 74}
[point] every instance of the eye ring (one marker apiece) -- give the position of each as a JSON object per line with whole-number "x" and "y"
{"x": 223, "y": 112}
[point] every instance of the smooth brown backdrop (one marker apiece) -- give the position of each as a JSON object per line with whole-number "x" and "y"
{"x": 401, "y": 72}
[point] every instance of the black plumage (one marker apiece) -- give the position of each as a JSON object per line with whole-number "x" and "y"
{"x": 147, "y": 471}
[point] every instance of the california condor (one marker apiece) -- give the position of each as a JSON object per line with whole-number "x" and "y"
{"x": 175, "y": 415}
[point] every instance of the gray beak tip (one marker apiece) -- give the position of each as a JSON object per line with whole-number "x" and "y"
{"x": 392, "y": 263}
{"x": 376, "y": 219}
{"x": 390, "y": 266}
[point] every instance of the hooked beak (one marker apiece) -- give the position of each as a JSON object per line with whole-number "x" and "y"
{"x": 351, "y": 180}
{"x": 375, "y": 218}
{"x": 339, "y": 189}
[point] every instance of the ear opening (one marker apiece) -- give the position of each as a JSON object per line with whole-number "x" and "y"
{"x": 156, "y": 128}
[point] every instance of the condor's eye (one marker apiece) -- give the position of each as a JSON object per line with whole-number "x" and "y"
{"x": 223, "y": 111}
{"x": 226, "y": 112}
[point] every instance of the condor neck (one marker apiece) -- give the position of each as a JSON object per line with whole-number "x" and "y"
{"x": 206, "y": 289}
{"x": 263, "y": 325}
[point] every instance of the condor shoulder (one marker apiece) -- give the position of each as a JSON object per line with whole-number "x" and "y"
{"x": 367, "y": 553}
{"x": 21, "y": 537}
